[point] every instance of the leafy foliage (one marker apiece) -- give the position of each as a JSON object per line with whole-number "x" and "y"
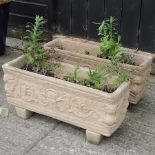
{"x": 95, "y": 78}
{"x": 39, "y": 61}
{"x": 101, "y": 79}
{"x": 123, "y": 77}
{"x": 107, "y": 28}
{"x": 110, "y": 48}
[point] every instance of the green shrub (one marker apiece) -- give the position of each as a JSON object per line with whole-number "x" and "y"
{"x": 39, "y": 60}
{"x": 107, "y": 80}
{"x": 109, "y": 47}
{"x": 95, "y": 78}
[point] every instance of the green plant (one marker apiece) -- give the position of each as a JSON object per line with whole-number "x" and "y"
{"x": 39, "y": 60}
{"x": 95, "y": 78}
{"x": 74, "y": 77}
{"x": 108, "y": 79}
{"x": 118, "y": 78}
{"x": 124, "y": 76}
{"x": 109, "y": 48}
{"x": 107, "y": 28}
{"x": 103, "y": 79}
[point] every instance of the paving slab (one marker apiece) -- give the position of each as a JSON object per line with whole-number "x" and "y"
{"x": 67, "y": 139}
{"x": 136, "y": 136}
{"x": 19, "y": 136}
{"x": 41, "y": 135}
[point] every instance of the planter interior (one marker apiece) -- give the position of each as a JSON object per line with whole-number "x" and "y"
{"x": 83, "y": 52}
{"x": 98, "y": 112}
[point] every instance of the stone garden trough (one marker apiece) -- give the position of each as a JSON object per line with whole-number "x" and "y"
{"x": 98, "y": 112}
{"x": 80, "y": 51}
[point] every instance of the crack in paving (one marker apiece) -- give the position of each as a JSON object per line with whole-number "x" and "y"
{"x": 28, "y": 149}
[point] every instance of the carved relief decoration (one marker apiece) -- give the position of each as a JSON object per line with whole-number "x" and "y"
{"x": 59, "y": 101}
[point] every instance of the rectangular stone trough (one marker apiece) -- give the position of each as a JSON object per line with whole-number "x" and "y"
{"x": 98, "y": 112}
{"x": 80, "y": 51}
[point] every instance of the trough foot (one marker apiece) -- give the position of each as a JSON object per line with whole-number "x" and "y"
{"x": 23, "y": 113}
{"x": 93, "y": 137}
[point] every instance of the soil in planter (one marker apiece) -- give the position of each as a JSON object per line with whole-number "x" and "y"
{"x": 107, "y": 81}
{"x": 69, "y": 75}
{"x": 28, "y": 67}
{"x": 85, "y": 82}
{"x": 128, "y": 59}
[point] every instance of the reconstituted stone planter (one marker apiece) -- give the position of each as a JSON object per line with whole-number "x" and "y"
{"x": 79, "y": 51}
{"x": 98, "y": 112}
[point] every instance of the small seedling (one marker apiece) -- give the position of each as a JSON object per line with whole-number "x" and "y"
{"x": 107, "y": 80}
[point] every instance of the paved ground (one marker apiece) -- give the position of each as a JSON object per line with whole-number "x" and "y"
{"x": 42, "y": 135}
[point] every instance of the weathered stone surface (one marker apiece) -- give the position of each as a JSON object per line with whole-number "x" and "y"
{"x": 23, "y": 113}
{"x": 15, "y": 43}
{"x": 87, "y": 108}
{"x": 66, "y": 139}
{"x": 153, "y": 63}
{"x": 93, "y": 138}
{"x": 18, "y": 136}
{"x": 4, "y": 112}
{"x": 79, "y": 51}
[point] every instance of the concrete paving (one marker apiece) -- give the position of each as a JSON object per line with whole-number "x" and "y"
{"x": 41, "y": 135}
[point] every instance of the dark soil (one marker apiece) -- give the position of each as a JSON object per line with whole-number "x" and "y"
{"x": 28, "y": 67}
